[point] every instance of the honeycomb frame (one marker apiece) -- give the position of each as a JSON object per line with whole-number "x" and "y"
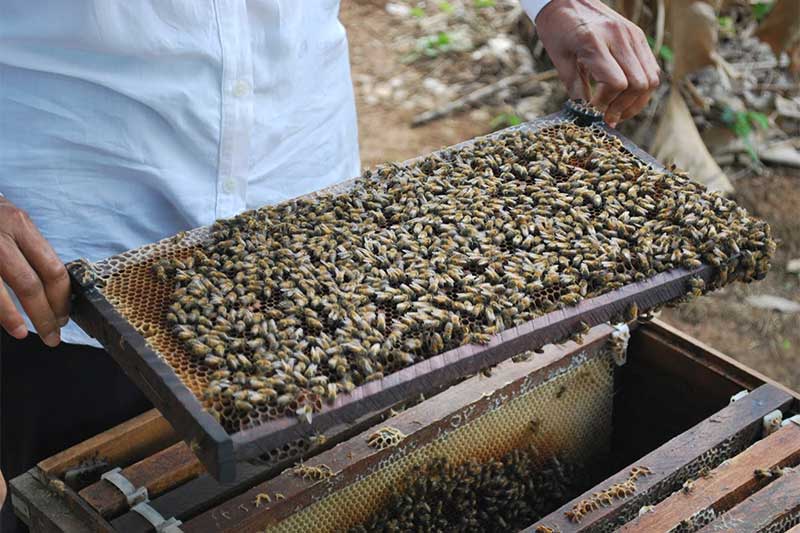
{"x": 110, "y": 308}
{"x": 559, "y": 401}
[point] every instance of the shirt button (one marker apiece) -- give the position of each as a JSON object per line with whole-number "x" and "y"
{"x": 241, "y": 88}
{"x": 229, "y": 185}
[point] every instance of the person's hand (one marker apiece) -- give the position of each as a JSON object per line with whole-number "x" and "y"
{"x": 589, "y": 41}
{"x": 34, "y": 272}
{"x": 2, "y": 490}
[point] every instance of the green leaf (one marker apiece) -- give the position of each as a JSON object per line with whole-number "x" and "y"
{"x": 417, "y": 12}
{"x": 480, "y": 4}
{"x": 758, "y": 119}
{"x": 761, "y": 9}
{"x": 666, "y": 53}
{"x": 446, "y": 7}
{"x": 741, "y": 126}
{"x": 504, "y": 120}
{"x": 787, "y": 344}
{"x": 443, "y": 39}
{"x": 725, "y": 23}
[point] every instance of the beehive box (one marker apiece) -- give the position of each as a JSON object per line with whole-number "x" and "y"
{"x": 405, "y": 280}
{"x": 564, "y": 428}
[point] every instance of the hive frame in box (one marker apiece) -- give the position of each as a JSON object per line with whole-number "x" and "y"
{"x": 724, "y": 433}
{"x": 219, "y": 450}
{"x": 674, "y": 361}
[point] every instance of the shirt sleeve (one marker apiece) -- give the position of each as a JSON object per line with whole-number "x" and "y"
{"x": 532, "y": 7}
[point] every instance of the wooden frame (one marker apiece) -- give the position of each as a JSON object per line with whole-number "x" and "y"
{"x": 725, "y": 486}
{"x": 741, "y": 421}
{"x": 219, "y": 451}
{"x": 148, "y": 439}
{"x": 777, "y": 503}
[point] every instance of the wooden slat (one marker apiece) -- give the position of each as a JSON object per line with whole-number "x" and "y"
{"x": 158, "y": 473}
{"x": 204, "y": 492}
{"x": 659, "y": 394}
{"x": 712, "y": 358}
{"x": 742, "y": 418}
{"x": 726, "y": 485}
{"x": 777, "y": 501}
{"x": 42, "y": 509}
{"x": 122, "y": 444}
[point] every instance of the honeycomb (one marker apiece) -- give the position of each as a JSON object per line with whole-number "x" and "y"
{"x": 280, "y": 309}
{"x": 659, "y": 491}
{"x": 573, "y": 422}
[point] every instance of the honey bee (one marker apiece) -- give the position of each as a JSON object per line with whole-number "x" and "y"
{"x": 261, "y": 497}
{"x": 308, "y": 298}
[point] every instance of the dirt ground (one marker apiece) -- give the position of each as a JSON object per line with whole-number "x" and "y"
{"x": 765, "y": 340}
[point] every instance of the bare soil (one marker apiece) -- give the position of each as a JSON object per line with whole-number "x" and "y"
{"x": 765, "y": 340}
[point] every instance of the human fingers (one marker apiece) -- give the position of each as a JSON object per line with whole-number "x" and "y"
{"x": 569, "y": 71}
{"x": 47, "y": 265}
{"x": 10, "y": 318}
{"x": 23, "y": 280}
{"x": 637, "y": 83}
{"x": 610, "y": 79}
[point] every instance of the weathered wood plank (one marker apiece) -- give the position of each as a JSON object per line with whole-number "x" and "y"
{"x": 158, "y": 473}
{"x": 740, "y": 421}
{"x": 712, "y": 358}
{"x": 777, "y": 502}
{"x": 726, "y": 485}
{"x": 42, "y": 509}
{"x": 123, "y": 444}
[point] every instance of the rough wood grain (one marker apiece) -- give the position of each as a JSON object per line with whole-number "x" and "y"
{"x": 41, "y": 509}
{"x": 713, "y": 359}
{"x": 777, "y": 502}
{"x": 726, "y": 485}
{"x": 158, "y": 473}
{"x": 122, "y": 444}
{"x": 741, "y": 419}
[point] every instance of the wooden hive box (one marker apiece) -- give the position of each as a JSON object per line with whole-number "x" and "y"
{"x": 713, "y": 463}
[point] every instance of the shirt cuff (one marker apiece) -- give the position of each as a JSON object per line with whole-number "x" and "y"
{"x": 532, "y": 7}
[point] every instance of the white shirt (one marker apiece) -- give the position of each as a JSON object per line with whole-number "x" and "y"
{"x": 123, "y": 122}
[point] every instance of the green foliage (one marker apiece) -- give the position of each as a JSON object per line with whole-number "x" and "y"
{"x": 480, "y": 4}
{"x": 741, "y": 123}
{"x": 446, "y": 7}
{"x": 725, "y": 23}
{"x": 761, "y": 9}
{"x": 504, "y": 120}
{"x": 434, "y": 45}
{"x": 665, "y": 52}
{"x": 786, "y": 344}
{"x": 417, "y": 12}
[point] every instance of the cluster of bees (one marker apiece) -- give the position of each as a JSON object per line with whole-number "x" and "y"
{"x": 503, "y": 495}
{"x": 289, "y": 305}
{"x": 604, "y": 498}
